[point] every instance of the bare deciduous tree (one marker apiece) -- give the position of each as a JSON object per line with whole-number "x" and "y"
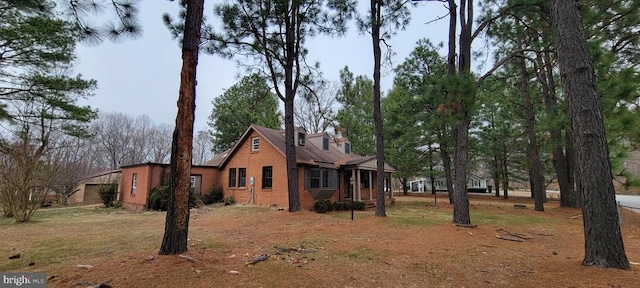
{"x": 314, "y": 110}
{"x": 68, "y": 163}
{"x": 120, "y": 139}
{"x": 202, "y": 147}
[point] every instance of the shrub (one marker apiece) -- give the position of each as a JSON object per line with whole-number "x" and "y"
{"x": 322, "y": 206}
{"x": 108, "y": 193}
{"x": 215, "y": 195}
{"x": 357, "y": 205}
{"x": 116, "y": 205}
{"x": 342, "y": 206}
{"x": 329, "y": 205}
{"x": 159, "y": 198}
{"x": 230, "y": 201}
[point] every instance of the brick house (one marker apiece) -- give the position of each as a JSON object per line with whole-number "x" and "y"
{"x": 136, "y": 182}
{"x": 254, "y": 171}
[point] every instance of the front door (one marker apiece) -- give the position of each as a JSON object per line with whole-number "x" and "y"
{"x": 347, "y": 184}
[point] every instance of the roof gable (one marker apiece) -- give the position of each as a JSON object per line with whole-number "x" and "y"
{"x": 309, "y": 154}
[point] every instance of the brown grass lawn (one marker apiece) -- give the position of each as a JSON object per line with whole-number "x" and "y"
{"x": 415, "y": 246}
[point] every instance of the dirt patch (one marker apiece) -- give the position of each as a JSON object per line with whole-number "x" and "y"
{"x": 415, "y": 246}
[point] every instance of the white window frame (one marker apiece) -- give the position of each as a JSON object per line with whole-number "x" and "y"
{"x": 134, "y": 183}
{"x": 255, "y": 144}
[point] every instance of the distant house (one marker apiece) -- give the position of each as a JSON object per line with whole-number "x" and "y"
{"x": 254, "y": 170}
{"x": 423, "y": 184}
{"x": 137, "y": 181}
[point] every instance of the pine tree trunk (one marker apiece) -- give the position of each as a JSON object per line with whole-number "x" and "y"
{"x": 536, "y": 179}
{"x": 560, "y": 160}
{"x": 496, "y": 175}
{"x": 459, "y": 102}
{"x": 176, "y": 228}
{"x": 603, "y": 240}
{"x": 460, "y": 196}
{"x": 505, "y": 177}
{"x": 570, "y": 156}
{"x": 376, "y": 21}
{"x": 290, "y": 93}
{"x": 290, "y": 151}
{"x": 446, "y": 164}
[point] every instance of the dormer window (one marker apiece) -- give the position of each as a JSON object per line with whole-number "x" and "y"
{"x": 325, "y": 144}
{"x": 255, "y": 144}
{"x": 347, "y": 148}
{"x": 301, "y": 139}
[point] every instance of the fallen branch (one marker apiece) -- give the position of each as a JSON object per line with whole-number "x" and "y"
{"x": 518, "y": 235}
{"x": 187, "y": 257}
{"x": 577, "y": 216}
{"x": 509, "y": 238}
{"x": 255, "y": 260}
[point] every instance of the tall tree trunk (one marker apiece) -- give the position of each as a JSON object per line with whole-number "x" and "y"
{"x": 535, "y": 165}
{"x": 405, "y": 189}
{"x": 560, "y": 160}
{"x": 496, "y": 175}
{"x": 570, "y": 155}
{"x": 446, "y": 164}
{"x": 603, "y": 240}
{"x": 290, "y": 151}
{"x": 290, "y": 93}
{"x": 176, "y": 228}
{"x": 460, "y": 100}
{"x": 505, "y": 177}
{"x": 460, "y": 196}
{"x": 376, "y": 22}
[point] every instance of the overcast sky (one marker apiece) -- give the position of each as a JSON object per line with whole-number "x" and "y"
{"x": 141, "y": 76}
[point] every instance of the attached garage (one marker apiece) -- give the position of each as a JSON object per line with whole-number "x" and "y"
{"x": 88, "y": 187}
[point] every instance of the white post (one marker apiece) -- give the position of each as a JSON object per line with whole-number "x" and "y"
{"x": 619, "y": 214}
{"x": 370, "y": 185}
{"x": 354, "y": 176}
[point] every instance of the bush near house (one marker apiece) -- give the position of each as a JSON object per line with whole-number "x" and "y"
{"x": 108, "y": 193}
{"x": 215, "y": 195}
{"x": 159, "y": 198}
{"x": 324, "y": 206}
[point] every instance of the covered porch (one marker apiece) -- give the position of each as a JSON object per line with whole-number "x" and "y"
{"x": 360, "y": 181}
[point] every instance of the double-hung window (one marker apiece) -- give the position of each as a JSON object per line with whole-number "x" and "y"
{"x": 267, "y": 177}
{"x": 232, "y": 177}
{"x": 242, "y": 177}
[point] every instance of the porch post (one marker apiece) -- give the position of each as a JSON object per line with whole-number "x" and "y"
{"x": 389, "y": 184}
{"x": 354, "y": 176}
{"x": 370, "y": 185}
{"x": 359, "y": 185}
